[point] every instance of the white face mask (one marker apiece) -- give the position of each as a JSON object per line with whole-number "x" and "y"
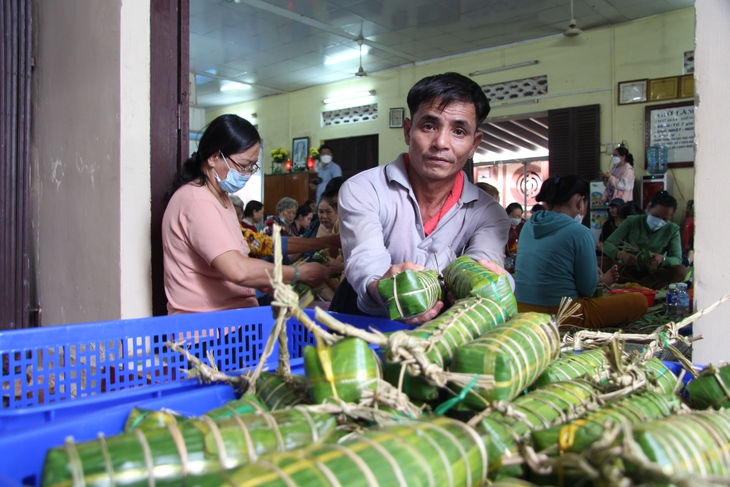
{"x": 579, "y": 216}
{"x": 655, "y": 223}
{"x": 325, "y": 159}
{"x": 515, "y": 221}
{"x": 615, "y": 160}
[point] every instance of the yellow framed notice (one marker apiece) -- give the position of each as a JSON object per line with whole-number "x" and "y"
{"x": 687, "y": 86}
{"x": 663, "y": 88}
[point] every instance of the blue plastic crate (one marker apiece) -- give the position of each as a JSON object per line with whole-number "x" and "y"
{"x": 61, "y": 363}
{"x": 28, "y": 431}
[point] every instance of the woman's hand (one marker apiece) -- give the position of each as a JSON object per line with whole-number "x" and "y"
{"x": 657, "y": 260}
{"x": 609, "y": 277}
{"x": 313, "y": 274}
{"x": 627, "y": 258}
{"x": 605, "y": 176}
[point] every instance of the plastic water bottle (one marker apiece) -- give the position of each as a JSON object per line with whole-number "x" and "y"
{"x": 670, "y": 304}
{"x": 682, "y": 301}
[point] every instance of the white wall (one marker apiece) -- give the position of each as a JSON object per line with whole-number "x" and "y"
{"x": 134, "y": 192}
{"x": 90, "y": 160}
{"x": 712, "y": 259}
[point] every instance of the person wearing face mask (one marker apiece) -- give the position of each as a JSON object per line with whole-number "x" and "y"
{"x": 557, "y": 259}
{"x": 621, "y": 179}
{"x": 206, "y": 263}
{"x": 514, "y": 212}
{"x": 652, "y": 231}
{"x": 327, "y": 169}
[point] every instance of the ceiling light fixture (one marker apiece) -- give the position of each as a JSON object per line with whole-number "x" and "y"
{"x": 503, "y": 68}
{"x": 344, "y": 57}
{"x": 234, "y": 86}
{"x": 348, "y": 96}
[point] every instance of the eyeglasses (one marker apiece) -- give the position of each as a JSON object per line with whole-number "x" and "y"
{"x": 250, "y": 168}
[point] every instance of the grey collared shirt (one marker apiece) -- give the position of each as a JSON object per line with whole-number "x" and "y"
{"x": 380, "y": 226}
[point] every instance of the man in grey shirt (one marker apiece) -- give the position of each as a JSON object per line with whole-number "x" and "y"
{"x": 420, "y": 211}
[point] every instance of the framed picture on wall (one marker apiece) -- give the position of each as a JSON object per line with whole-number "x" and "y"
{"x": 396, "y": 117}
{"x": 632, "y": 91}
{"x": 687, "y": 86}
{"x": 663, "y": 88}
{"x": 300, "y": 152}
{"x": 672, "y": 126}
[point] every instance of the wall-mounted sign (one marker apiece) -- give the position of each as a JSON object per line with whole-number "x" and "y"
{"x": 672, "y": 126}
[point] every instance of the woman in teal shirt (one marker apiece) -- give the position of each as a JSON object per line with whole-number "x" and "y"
{"x": 556, "y": 258}
{"x": 655, "y": 233}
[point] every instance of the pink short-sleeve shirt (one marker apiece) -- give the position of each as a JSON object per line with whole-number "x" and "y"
{"x": 195, "y": 230}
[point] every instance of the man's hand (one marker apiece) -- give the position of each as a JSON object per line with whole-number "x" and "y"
{"x": 427, "y": 316}
{"x": 492, "y": 266}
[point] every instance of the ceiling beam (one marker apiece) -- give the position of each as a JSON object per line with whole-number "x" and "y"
{"x": 494, "y": 129}
{"x": 520, "y": 132}
{"x": 487, "y": 147}
{"x": 259, "y": 4}
{"x": 533, "y": 126}
{"x": 499, "y": 142}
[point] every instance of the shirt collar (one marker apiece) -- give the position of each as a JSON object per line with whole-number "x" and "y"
{"x": 396, "y": 172}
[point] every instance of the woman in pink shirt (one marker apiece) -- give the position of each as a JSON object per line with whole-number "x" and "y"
{"x": 206, "y": 261}
{"x": 621, "y": 179}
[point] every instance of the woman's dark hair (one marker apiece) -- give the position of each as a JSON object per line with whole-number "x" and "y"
{"x": 559, "y": 189}
{"x": 512, "y": 207}
{"x": 252, "y": 207}
{"x": 448, "y": 88}
{"x": 624, "y": 152}
{"x": 662, "y": 198}
{"x": 229, "y": 134}
{"x": 628, "y": 209}
{"x": 537, "y": 207}
{"x": 303, "y": 210}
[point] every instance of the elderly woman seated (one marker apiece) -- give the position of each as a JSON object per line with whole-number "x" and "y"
{"x": 286, "y": 210}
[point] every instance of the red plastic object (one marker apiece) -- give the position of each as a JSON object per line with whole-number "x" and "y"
{"x": 650, "y": 295}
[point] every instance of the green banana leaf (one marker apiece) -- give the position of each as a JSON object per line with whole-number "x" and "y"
{"x": 410, "y": 293}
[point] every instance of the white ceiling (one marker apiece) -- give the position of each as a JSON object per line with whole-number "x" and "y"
{"x": 280, "y": 46}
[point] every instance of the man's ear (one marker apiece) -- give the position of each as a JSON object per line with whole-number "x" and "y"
{"x": 407, "y": 130}
{"x": 477, "y": 140}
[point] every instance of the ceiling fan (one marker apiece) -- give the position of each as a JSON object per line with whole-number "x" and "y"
{"x": 360, "y": 72}
{"x": 572, "y": 29}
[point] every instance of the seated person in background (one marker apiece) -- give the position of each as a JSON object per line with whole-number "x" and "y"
{"x": 252, "y": 215}
{"x": 537, "y": 207}
{"x": 626, "y": 210}
{"x": 331, "y": 192}
{"x": 557, "y": 259}
{"x": 286, "y": 210}
{"x": 514, "y": 212}
{"x": 489, "y": 189}
{"x": 420, "y": 211}
{"x": 655, "y": 236}
{"x": 261, "y": 245}
{"x": 610, "y": 225}
{"x": 302, "y": 219}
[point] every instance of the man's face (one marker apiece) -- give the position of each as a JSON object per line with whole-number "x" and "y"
{"x": 440, "y": 142}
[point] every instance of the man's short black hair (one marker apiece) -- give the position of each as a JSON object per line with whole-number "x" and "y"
{"x": 448, "y": 88}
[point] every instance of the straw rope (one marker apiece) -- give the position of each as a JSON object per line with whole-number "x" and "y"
{"x": 148, "y": 459}
{"x": 75, "y": 466}
{"x": 182, "y": 449}
{"x": 107, "y": 459}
